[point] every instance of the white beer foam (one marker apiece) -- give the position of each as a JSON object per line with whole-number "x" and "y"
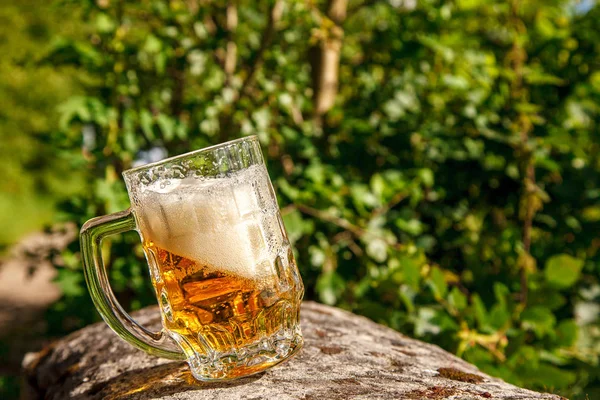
{"x": 221, "y": 222}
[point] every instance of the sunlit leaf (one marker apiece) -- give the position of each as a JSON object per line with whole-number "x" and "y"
{"x": 563, "y": 270}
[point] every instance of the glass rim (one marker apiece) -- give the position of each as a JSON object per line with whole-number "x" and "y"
{"x": 188, "y": 154}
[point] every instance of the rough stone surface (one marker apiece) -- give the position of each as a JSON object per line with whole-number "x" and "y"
{"x": 26, "y": 291}
{"x": 344, "y": 357}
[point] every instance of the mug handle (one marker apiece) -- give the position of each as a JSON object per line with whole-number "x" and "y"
{"x": 91, "y": 235}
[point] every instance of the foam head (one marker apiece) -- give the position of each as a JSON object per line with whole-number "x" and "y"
{"x": 229, "y": 223}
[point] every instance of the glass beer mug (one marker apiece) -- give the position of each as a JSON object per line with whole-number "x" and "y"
{"x": 220, "y": 261}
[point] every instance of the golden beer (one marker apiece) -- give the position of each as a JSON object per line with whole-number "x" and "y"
{"x": 212, "y": 311}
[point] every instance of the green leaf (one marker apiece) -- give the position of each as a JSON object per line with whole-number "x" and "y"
{"x": 426, "y": 176}
{"x": 425, "y": 242}
{"x": 160, "y": 61}
{"x": 167, "y": 126}
{"x": 425, "y": 322}
{"x": 146, "y": 124}
{"x": 455, "y": 82}
{"x": 549, "y": 298}
{"x": 181, "y": 131}
{"x": 468, "y": 4}
{"x": 104, "y": 23}
{"x": 315, "y": 172}
{"x": 537, "y": 77}
{"x": 538, "y": 319}
{"x": 413, "y": 226}
{"x": 377, "y": 249}
{"x": 362, "y": 287}
{"x": 546, "y": 375}
{"x": 330, "y": 286}
{"x": 457, "y": 299}
{"x": 129, "y": 141}
{"x": 437, "y": 283}
{"x": 411, "y": 270}
{"x": 566, "y": 333}
{"x": 563, "y": 270}
{"x": 70, "y": 282}
{"x": 480, "y": 311}
{"x": 362, "y": 196}
{"x": 76, "y": 108}
{"x": 498, "y": 316}
{"x": 591, "y": 214}
{"x": 152, "y": 44}
{"x": 294, "y": 225}
{"x": 378, "y": 185}
{"x": 66, "y": 52}
{"x": 290, "y": 191}
{"x": 407, "y": 295}
{"x": 436, "y": 45}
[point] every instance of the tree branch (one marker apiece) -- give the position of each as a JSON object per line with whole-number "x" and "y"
{"x": 356, "y": 230}
{"x": 229, "y": 65}
{"x": 346, "y": 236}
{"x": 325, "y": 58}
{"x": 357, "y": 7}
{"x": 516, "y": 58}
{"x": 177, "y": 74}
{"x": 398, "y": 197}
{"x": 322, "y": 215}
{"x": 231, "y": 23}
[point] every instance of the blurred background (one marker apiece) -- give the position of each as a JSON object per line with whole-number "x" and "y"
{"x": 437, "y": 162}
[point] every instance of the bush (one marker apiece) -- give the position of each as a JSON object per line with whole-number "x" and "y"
{"x": 33, "y": 178}
{"x": 447, "y": 185}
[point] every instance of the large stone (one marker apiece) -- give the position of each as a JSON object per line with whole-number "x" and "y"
{"x": 345, "y": 356}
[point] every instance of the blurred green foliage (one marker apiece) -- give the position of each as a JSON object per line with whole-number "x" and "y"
{"x": 452, "y": 192}
{"x": 34, "y": 175}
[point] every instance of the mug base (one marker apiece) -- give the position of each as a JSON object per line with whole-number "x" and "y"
{"x": 250, "y": 360}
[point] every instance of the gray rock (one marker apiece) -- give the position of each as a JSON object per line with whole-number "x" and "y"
{"x": 345, "y": 356}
